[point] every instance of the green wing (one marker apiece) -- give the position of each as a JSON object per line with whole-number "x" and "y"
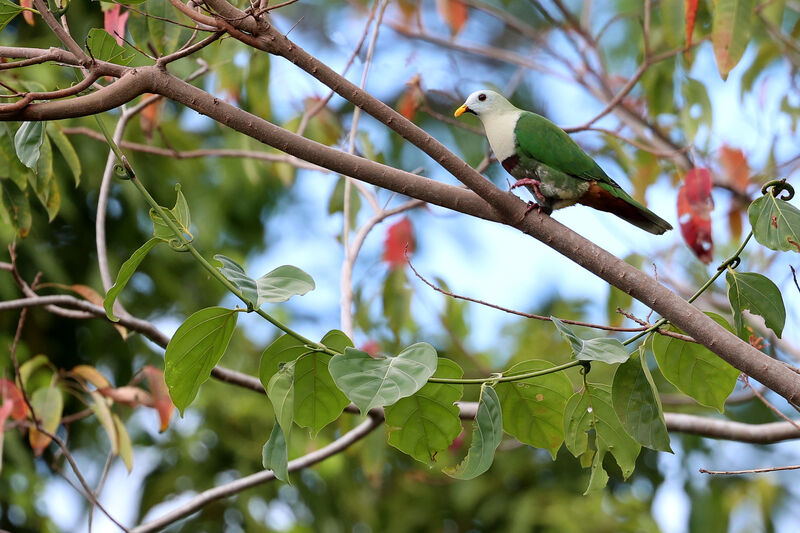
{"x": 540, "y": 139}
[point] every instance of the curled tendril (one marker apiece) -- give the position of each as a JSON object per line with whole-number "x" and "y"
{"x": 733, "y": 262}
{"x": 119, "y": 170}
{"x": 776, "y": 187}
{"x": 178, "y": 245}
{"x": 586, "y": 367}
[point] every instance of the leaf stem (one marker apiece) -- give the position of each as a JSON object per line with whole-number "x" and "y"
{"x": 731, "y": 262}
{"x": 505, "y": 379}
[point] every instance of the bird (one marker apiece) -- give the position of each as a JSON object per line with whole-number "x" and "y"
{"x": 544, "y": 158}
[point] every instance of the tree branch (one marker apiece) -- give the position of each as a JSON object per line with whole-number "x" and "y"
{"x": 235, "y": 487}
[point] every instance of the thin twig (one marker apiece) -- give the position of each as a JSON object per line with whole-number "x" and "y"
{"x": 749, "y": 471}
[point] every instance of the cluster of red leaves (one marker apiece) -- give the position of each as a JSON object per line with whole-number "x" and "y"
{"x": 158, "y": 397}
{"x": 694, "y": 213}
{"x": 399, "y": 238}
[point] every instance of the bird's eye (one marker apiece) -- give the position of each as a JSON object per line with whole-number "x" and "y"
{"x": 481, "y": 97}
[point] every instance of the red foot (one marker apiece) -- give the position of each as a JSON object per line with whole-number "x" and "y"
{"x": 534, "y": 184}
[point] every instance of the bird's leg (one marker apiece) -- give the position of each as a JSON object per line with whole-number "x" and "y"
{"x": 534, "y": 184}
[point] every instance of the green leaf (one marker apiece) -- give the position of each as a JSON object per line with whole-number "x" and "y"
{"x": 730, "y": 32}
{"x": 283, "y": 283}
{"x": 103, "y": 46}
{"x": 102, "y": 411}
{"x": 27, "y": 369}
{"x": 396, "y": 299}
{"x": 694, "y": 369}
{"x": 16, "y": 204}
{"x": 8, "y": 10}
{"x": 280, "y": 390}
{"x": 695, "y": 96}
{"x": 283, "y": 350}
{"x": 590, "y": 415}
{"x": 487, "y": 432}
{"x": 234, "y": 272}
{"x": 275, "y": 454}
{"x": 602, "y": 349}
{"x": 48, "y": 404}
{"x": 776, "y": 223}
{"x": 125, "y": 445}
{"x": 164, "y": 34}
{"x": 194, "y": 350}
{"x": 27, "y": 142}
{"x": 380, "y": 382}
{"x": 318, "y": 401}
{"x": 43, "y": 181}
{"x": 336, "y": 202}
{"x": 125, "y": 273}
{"x": 533, "y": 409}
{"x": 748, "y": 290}
{"x": 637, "y": 404}
{"x": 10, "y": 165}
{"x": 68, "y": 152}
{"x": 427, "y": 422}
{"x": 179, "y": 215}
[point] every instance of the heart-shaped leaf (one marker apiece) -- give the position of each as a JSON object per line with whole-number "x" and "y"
{"x": 598, "y": 349}
{"x": 427, "y": 422}
{"x": 317, "y": 400}
{"x": 234, "y": 272}
{"x": 283, "y": 283}
{"x": 380, "y": 382}
{"x": 590, "y": 415}
{"x": 748, "y": 290}
{"x": 694, "y": 369}
{"x": 776, "y": 223}
{"x": 533, "y": 409}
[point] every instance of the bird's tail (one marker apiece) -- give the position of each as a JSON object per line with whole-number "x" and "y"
{"x": 606, "y": 197}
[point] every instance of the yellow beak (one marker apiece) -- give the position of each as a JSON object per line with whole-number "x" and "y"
{"x": 460, "y": 111}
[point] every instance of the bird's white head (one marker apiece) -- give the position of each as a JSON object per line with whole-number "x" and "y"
{"x": 485, "y": 102}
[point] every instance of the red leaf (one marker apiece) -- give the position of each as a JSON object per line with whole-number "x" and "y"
{"x": 690, "y": 8}
{"x": 694, "y": 213}
{"x": 27, "y": 15}
{"x": 160, "y": 393}
{"x": 399, "y": 236}
{"x": 411, "y": 98}
{"x": 373, "y": 348}
{"x": 114, "y": 22}
{"x": 91, "y": 295}
{"x": 735, "y": 168}
{"x": 150, "y": 117}
{"x": 13, "y": 399}
{"x": 454, "y": 13}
